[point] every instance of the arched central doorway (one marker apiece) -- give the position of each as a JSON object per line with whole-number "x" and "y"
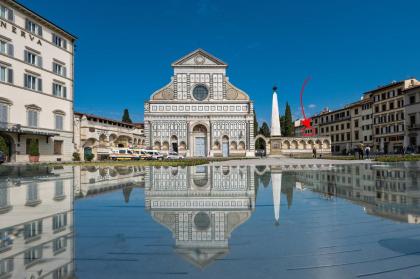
{"x": 260, "y": 146}
{"x": 174, "y": 143}
{"x": 200, "y": 140}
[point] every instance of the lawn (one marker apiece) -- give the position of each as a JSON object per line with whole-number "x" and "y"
{"x": 182, "y": 162}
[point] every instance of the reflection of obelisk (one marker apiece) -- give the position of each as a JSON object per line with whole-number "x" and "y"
{"x": 276, "y": 184}
{"x": 275, "y": 116}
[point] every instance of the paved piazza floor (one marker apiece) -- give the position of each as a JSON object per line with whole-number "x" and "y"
{"x": 270, "y": 218}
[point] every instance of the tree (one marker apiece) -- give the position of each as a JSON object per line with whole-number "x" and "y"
{"x": 126, "y": 117}
{"x": 288, "y": 122}
{"x": 265, "y": 130}
{"x": 3, "y": 146}
{"x": 282, "y": 125}
{"x": 255, "y": 124}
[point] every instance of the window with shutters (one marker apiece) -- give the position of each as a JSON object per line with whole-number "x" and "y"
{"x": 59, "y": 221}
{"x": 32, "y": 196}
{"x": 58, "y": 41}
{"x": 33, "y": 58}
{"x": 59, "y": 121}
{"x": 59, "y": 90}
{"x": 33, "y": 27}
{"x": 59, "y": 69}
{"x": 6, "y": 48}
{"x": 59, "y": 187}
{"x": 33, "y": 229}
{"x": 6, "y": 13}
{"x": 59, "y": 245}
{"x": 4, "y": 112}
{"x": 32, "y": 255}
{"x": 6, "y": 74}
{"x": 33, "y": 116}
{"x": 32, "y": 82}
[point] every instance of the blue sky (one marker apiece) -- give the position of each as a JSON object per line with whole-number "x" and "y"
{"x": 125, "y": 47}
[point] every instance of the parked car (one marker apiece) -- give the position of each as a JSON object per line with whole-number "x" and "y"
{"x": 155, "y": 155}
{"x": 2, "y": 157}
{"x": 174, "y": 156}
{"x": 260, "y": 153}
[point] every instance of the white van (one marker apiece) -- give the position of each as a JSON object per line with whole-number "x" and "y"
{"x": 155, "y": 155}
{"x": 123, "y": 154}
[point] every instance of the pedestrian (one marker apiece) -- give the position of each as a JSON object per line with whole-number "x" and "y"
{"x": 367, "y": 151}
{"x": 314, "y": 152}
{"x": 360, "y": 153}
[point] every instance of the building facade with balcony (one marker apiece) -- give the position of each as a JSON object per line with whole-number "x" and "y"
{"x": 336, "y": 125}
{"x": 389, "y": 115}
{"x": 412, "y": 118}
{"x": 98, "y": 135}
{"x": 379, "y": 120}
{"x": 36, "y": 85}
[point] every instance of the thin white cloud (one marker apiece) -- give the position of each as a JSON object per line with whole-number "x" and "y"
{"x": 311, "y": 106}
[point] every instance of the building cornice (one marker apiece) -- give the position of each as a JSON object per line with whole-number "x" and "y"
{"x": 16, "y": 5}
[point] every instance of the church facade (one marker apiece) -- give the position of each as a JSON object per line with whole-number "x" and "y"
{"x": 200, "y": 113}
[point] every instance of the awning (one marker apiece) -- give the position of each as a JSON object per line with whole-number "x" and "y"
{"x": 17, "y": 129}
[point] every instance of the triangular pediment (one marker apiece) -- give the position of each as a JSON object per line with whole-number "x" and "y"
{"x": 199, "y": 58}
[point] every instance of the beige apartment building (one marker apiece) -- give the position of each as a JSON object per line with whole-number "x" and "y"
{"x": 340, "y": 127}
{"x": 388, "y": 115}
{"x": 98, "y": 135}
{"x": 36, "y": 84}
{"x": 412, "y": 118}
{"x": 378, "y": 120}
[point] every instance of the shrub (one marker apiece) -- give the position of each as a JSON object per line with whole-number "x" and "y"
{"x": 89, "y": 157}
{"x": 76, "y": 156}
{"x": 33, "y": 148}
{"x": 3, "y": 146}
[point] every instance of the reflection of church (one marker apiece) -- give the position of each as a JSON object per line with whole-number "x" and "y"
{"x": 201, "y": 205}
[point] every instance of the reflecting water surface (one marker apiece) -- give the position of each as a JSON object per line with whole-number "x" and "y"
{"x": 300, "y": 221}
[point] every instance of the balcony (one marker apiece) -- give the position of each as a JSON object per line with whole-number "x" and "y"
{"x": 412, "y": 127}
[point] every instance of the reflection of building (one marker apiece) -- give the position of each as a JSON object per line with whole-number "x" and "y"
{"x": 90, "y": 181}
{"x": 200, "y": 113}
{"x": 36, "y": 84}
{"x": 389, "y": 192}
{"x": 98, "y": 135}
{"x": 201, "y": 205}
{"x": 36, "y": 230}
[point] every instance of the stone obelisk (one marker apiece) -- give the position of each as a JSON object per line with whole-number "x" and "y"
{"x": 275, "y": 116}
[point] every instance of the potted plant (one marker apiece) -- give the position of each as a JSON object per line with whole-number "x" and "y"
{"x": 33, "y": 152}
